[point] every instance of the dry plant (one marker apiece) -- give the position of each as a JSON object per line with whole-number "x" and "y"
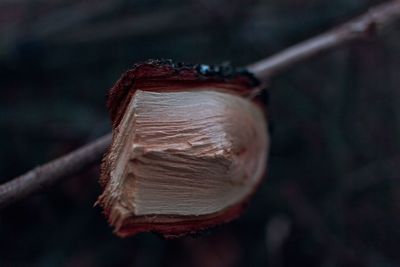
{"x": 56, "y": 170}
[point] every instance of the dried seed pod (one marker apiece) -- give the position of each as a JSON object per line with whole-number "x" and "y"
{"x": 189, "y": 148}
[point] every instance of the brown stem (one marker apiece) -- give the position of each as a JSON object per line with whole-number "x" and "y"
{"x": 363, "y": 26}
{"x": 53, "y": 171}
{"x": 74, "y": 162}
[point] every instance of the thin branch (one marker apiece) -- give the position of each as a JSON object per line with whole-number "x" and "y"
{"x": 74, "y": 162}
{"x": 53, "y": 171}
{"x": 361, "y": 27}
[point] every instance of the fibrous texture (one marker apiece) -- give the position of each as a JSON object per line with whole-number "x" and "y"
{"x": 186, "y": 154}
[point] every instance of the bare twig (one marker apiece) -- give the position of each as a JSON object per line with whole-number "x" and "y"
{"x": 72, "y": 163}
{"x": 53, "y": 171}
{"x": 365, "y": 25}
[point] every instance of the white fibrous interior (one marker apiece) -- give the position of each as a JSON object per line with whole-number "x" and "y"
{"x": 187, "y": 153}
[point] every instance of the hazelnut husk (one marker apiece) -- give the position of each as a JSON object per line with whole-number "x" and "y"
{"x": 189, "y": 148}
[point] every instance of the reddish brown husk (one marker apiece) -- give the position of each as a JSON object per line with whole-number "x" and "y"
{"x": 160, "y": 75}
{"x": 177, "y": 229}
{"x": 164, "y": 75}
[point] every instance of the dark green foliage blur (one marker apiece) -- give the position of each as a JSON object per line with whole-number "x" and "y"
{"x": 332, "y": 195}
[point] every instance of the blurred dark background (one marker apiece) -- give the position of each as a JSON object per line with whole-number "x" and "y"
{"x": 332, "y": 195}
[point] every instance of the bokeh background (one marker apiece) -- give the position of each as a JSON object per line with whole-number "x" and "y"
{"x": 332, "y": 195}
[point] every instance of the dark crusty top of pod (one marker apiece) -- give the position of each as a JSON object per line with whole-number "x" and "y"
{"x": 164, "y": 75}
